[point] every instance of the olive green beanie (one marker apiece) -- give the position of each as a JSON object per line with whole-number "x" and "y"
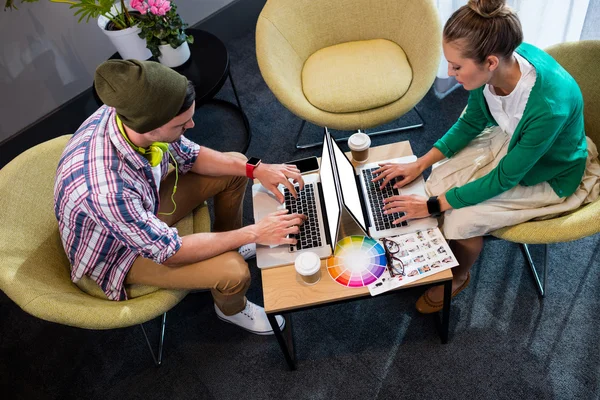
{"x": 145, "y": 94}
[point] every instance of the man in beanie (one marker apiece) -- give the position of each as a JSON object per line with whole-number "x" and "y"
{"x": 115, "y": 199}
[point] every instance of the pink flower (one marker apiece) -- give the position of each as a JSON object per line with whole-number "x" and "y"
{"x": 140, "y": 6}
{"x": 159, "y": 7}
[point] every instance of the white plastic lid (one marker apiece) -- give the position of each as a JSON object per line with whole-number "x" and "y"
{"x": 307, "y": 263}
{"x": 359, "y": 141}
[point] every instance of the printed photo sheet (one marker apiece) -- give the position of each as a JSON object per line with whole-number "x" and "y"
{"x": 423, "y": 253}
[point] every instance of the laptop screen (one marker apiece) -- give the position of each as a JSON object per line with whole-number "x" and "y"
{"x": 331, "y": 200}
{"x": 348, "y": 185}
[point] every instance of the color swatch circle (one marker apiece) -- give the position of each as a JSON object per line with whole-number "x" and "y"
{"x": 357, "y": 261}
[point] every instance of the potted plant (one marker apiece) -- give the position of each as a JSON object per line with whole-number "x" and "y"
{"x": 164, "y": 31}
{"x": 116, "y": 19}
{"x": 120, "y": 22}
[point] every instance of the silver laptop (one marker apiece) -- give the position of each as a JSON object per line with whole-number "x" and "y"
{"x": 320, "y": 204}
{"x": 344, "y": 204}
{"x": 364, "y": 198}
{"x": 381, "y": 225}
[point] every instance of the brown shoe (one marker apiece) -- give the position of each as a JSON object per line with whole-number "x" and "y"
{"x": 427, "y": 306}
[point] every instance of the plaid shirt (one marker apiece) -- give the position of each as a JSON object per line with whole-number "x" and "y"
{"x": 106, "y": 202}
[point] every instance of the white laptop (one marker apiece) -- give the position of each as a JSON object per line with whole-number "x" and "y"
{"x": 341, "y": 207}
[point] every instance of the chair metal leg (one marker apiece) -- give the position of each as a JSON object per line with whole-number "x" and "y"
{"x": 540, "y": 285}
{"x": 402, "y": 128}
{"x": 244, "y": 117}
{"x": 304, "y": 146}
{"x": 157, "y": 358}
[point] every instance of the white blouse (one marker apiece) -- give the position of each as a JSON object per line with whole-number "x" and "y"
{"x": 508, "y": 110}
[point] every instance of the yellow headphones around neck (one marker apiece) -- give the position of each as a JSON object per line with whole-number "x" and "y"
{"x": 154, "y": 154}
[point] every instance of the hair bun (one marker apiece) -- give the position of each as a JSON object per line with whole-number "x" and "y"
{"x": 490, "y": 8}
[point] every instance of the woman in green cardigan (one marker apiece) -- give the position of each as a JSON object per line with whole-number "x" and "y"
{"x": 517, "y": 153}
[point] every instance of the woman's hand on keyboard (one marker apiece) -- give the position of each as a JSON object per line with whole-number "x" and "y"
{"x": 406, "y": 173}
{"x": 271, "y": 175}
{"x": 275, "y": 228}
{"x": 413, "y": 206}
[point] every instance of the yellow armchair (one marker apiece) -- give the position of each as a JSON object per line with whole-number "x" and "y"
{"x": 34, "y": 270}
{"x": 582, "y": 61}
{"x": 349, "y": 64}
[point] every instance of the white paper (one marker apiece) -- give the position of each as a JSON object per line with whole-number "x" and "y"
{"x": 423, "y": 253}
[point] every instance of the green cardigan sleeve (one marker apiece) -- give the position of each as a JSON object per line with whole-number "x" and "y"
{"x": 537, "y": 138}
{"x": 468, "y": 126}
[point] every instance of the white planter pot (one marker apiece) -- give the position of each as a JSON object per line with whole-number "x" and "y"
{"x": 128, "y": 43}
{"x": 174, "y": 57}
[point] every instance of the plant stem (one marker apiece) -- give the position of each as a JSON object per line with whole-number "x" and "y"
{"x": 126, "y": 14}
{"x": 115, "y": 20}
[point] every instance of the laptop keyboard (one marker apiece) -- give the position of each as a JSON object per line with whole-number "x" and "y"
{"x": 305, "y": 203}
{"x": 376, "y": 196}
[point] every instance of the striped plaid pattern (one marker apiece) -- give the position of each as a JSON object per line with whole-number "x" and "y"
{"x": 106, "y": 202}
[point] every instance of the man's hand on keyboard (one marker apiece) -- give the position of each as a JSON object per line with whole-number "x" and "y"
{"x": 413, "y": 206}
{"x": 275, "y": 228}
{"x": 271, "y": 175}
{"x": 406, "y": 173}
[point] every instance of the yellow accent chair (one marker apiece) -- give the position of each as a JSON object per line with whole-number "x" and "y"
{"x": 349, "y": 64}
{"x": 35, "y": 271}
{"x": 582, "y": 61}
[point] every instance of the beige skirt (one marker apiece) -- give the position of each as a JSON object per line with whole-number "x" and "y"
{"x": 517, "y": 205}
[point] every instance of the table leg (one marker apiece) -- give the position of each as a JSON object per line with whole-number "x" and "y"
{"x": 285, "y": 343}
{"x": 446, "y": 312}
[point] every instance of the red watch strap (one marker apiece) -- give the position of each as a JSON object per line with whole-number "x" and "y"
{"x": 251, "y": 165}
{"x": 250, "y": 171}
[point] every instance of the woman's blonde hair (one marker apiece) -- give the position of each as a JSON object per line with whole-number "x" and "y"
{"x": 485, "y": 27}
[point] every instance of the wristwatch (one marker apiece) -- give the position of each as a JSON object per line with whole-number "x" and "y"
{"x": 433, "y": 207}
{"x": 251, "y": 164}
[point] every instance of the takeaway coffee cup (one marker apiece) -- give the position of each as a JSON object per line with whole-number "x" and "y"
{"x": 308, "y": 268}
{"x": 359, "y": 145}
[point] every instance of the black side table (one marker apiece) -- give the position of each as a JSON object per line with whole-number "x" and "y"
{"x": 208, "y": 69}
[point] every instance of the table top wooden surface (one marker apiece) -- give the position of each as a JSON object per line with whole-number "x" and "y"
{"x": 282, "y": 292}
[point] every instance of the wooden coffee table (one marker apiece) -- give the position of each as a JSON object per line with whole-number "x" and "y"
{"x": 284, "y": 295}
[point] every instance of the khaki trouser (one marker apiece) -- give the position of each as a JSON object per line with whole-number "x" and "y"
{"x": 226, "y": 275}
{"x": 515, "y": 206}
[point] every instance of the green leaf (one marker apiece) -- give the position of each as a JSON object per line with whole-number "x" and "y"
{"x": 91, "y": 8}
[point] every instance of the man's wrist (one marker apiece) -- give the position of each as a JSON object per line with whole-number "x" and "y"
{"x": 249, "y": 233}
{"x": 259, "y": 166}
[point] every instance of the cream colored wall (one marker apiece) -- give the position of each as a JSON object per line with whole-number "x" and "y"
{"x": 47, "y": 58}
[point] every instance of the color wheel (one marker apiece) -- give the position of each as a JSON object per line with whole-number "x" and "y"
{"x": 357, "y": 261}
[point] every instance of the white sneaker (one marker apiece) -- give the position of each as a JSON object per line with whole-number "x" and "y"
{"x": 248, "y": 251}
{"x": 253, "y": 318}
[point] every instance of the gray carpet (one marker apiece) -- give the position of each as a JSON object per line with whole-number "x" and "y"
{"x": 505, "y": 343}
